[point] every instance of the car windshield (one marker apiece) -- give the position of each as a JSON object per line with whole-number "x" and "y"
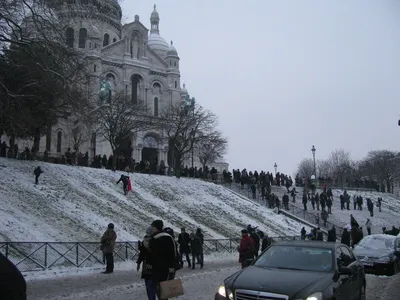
{"x": 296, "y": 258}
{"x": 377, "y": 242}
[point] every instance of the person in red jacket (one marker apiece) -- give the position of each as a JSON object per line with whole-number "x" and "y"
{"x": 246, "y": 248}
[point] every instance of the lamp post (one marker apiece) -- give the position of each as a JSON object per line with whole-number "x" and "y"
{"x": 275, "y": 166}
{"x": 315, "y": 169}
{"x": 192, "y": 133}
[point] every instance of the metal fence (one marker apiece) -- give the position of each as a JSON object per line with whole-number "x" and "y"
{"x": 39, "y": 256}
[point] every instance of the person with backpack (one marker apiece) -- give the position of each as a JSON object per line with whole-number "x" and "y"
{"x": 38, "y": 170}
{"x": 246, "y": 249}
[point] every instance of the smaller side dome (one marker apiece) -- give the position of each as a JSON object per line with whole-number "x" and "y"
{"x": 172, "y": 50}
{"x": 155, "y": 17}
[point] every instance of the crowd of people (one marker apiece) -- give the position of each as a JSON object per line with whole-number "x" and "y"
{"x": 160, "y": 254}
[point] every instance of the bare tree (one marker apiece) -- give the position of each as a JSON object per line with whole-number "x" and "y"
{"x": 323, "y": 168}
{"x": 186, "y": 126}
{"x": 306, "y": 168}
{"x": 212, "y": 147}
{"x": 340, "y": 165}
{"x": 118, "y": 121}
{"x": 381, "y": 165}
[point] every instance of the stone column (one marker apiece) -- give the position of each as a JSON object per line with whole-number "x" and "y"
{"x": 139, "y": 154}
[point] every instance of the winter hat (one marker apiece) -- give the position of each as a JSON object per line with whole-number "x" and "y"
{"x": 244, "y": 231}
{"x": 158, "y": 224}
{"x": 149, "y": 230}
{"x": 111, "y": 226}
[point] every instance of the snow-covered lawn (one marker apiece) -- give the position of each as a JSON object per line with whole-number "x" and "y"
{"x": 75, "y": 204}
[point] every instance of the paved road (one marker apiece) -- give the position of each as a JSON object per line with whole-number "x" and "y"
{"x": 198, "y": 284}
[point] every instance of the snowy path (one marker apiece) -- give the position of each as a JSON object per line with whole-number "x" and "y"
{"x": 127, "y": 285}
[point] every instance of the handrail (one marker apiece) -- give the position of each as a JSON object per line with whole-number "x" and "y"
{"x": 39, "y": 256}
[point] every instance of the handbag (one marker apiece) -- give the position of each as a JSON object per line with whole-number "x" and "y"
{"x": 171, "y": 288}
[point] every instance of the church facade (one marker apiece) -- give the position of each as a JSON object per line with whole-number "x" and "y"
{"x": 129, "y": 59}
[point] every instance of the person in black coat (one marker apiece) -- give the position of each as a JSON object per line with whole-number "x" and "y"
{"x": 164, "y": 253}
{"x": 196, "y": 248}
{"x": 184, "y": 246}
{"x": 38, "y": 170}
{"x": 12, "y": 282}
{"x": 125, "y": 180}
{"x": 345, "y": 237}
{"x": 256, "y": 240}
{"x": 332, "y": 234}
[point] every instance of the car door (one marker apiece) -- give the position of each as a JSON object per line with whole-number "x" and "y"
{"x": 355, "y": 280}
{"x": 342, "y": 283}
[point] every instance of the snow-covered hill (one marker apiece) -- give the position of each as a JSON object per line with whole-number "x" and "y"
{"x": 76, "y": 204}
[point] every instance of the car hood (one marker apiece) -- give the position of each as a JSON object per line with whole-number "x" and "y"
{"x": 361, "y": 251}
{"x": 287, "y": 282}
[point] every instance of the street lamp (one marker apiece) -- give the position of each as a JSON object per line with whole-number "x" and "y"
{"x": 275, "y": 166}
{"x": 192, "y": 133}
{"x": 315, "y": 169}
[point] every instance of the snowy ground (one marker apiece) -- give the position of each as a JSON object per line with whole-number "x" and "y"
{"x": 75, "y": 204}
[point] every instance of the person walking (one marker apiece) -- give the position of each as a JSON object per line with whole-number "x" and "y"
{"x": 164, "y": 253}
{"x": 107, "y": 246}
{"x": 37, "y": 172}
{"x": 368, "y": 224}
{"x": 145, "y": 259}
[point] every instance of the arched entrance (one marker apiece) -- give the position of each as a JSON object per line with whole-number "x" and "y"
{"x": 150, "y": 152}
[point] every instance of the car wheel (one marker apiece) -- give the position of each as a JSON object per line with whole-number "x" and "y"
{"x": 363, "y": 295}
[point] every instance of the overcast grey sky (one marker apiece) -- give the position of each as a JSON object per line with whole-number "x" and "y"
{"x": 284, "y": 75}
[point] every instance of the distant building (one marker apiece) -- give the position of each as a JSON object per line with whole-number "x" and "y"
{"x": 127, "y": 58}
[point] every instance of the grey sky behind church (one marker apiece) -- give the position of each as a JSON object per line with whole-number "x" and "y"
{"x": 285, "y": 75}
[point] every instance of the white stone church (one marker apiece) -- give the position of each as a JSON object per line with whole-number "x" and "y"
{"x": 131, "y": 59}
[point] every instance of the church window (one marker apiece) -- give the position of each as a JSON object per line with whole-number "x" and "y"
{"x": 135, "y": 83}
{"x": 170, "y": 63}
{"x": 106, "y": 39}
{"x": 59, "y": 140}
{"x": 175, "y": 63}
{"x": 82, "y": 37}
{"x": 156, "y": 107}
{"x": 176, "y": 84}
{"x": 94, "y": 68}
{"x": 48, "y": 139}
{"x": 114, "y": 40}
{"x": 70, "y": 37}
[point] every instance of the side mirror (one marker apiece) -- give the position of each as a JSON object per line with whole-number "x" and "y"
{"x": 345, "y": 271}
{"x": 248, "y": 262}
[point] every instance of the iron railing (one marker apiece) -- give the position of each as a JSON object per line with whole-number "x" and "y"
{"x": 39, "y": 256}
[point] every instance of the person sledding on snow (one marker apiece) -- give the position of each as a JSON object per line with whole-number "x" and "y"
{"x": 126, "y": 181}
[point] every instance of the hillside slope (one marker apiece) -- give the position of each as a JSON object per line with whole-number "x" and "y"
{"x": 76, "y": 204}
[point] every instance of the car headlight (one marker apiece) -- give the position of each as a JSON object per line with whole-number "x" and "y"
{"x": 223, "y": 291}
{"x": 384, "y": 259}
{"x": 315, "y": 296}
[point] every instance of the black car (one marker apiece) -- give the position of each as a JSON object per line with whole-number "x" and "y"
{"x": 379, "y": 253}
{"x": 298, "y": 270}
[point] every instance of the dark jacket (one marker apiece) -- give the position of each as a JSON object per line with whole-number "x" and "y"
{"x": 195, "y": 244}
{"x": 184, "y": 242}
{"x": 124, "y": 179}
{"x": 345, "y": 238}
{"x": 145, "y": 258}
{"x": 37, "y": 171}
{"x": 108, "y": 241}
{"x": 256, "y": 240}
{"x": 163, "y": 249}
{"x": 266, "y": 242}
{"x": 12, "y": 283}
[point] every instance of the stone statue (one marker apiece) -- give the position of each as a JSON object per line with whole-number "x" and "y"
{"x": 105, "y": 92}
{"x": 135, "y": 48}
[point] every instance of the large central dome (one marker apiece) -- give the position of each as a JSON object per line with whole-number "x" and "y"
{"x": 155, "y": 41}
